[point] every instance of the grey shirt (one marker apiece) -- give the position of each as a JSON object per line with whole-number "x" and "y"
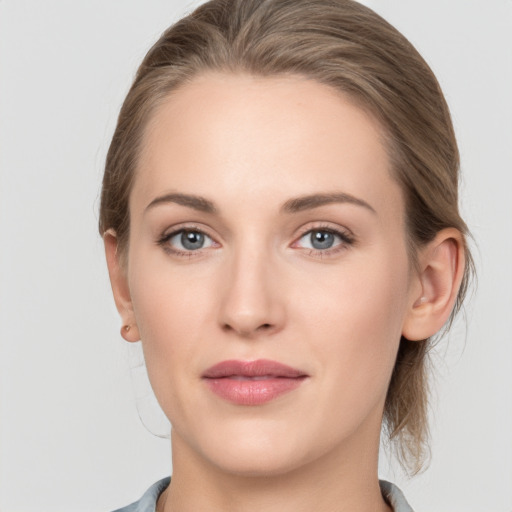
{"x": 392, "y": 494}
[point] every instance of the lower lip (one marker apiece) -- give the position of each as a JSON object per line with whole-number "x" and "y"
{"x": 252, "y": 392}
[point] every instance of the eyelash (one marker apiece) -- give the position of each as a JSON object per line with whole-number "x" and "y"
{"x": 163, "y": 241}
{"x": 346, "y": 240}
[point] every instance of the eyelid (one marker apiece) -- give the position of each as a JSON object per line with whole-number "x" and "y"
{"x": 342, "y": 231}
{"x": 173, "y": 230}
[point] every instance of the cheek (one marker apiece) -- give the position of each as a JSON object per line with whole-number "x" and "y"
{"x": 167, "y": 298}
{"x": 171, "y": 312}
{"x": 355, "y": 326}
{"x": 365, "y": 294}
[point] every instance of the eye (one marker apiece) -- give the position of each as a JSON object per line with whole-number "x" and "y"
{"x": 320, "y": 239}
{"x": 186, "y": 241}
{"x": 324, "y": 240}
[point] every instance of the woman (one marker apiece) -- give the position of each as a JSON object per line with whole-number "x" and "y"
{"x": 279, "y": 211}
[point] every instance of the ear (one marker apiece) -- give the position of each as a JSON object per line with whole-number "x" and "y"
{"x": 433, "y": 296}
{"x": 120, "y": 288}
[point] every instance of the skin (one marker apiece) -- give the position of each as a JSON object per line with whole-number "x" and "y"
{"x": 258, "y": 289}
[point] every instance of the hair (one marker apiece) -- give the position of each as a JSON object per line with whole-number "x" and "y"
{"x": 347, "y": 46}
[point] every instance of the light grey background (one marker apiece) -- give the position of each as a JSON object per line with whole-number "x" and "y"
{"x": 70, "y": 436}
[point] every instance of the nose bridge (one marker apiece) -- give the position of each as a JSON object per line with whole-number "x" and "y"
{"x": 251, "y": 301}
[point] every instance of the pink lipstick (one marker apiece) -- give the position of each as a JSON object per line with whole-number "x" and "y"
{"x": 252, "y": 382}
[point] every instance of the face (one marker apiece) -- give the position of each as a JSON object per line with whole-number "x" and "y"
{"x": 267, "y": 271}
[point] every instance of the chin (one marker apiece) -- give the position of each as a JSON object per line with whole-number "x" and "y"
{"x": 256, "y": 463}
{"x": 256, "y": 452}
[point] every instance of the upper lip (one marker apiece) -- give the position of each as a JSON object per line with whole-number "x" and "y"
{"x": 257, "y": 368}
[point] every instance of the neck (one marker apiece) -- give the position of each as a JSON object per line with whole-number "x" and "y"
{"x": 341, "y": 481}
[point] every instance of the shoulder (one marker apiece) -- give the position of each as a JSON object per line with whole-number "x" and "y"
{"x": 148, "y": 501}
{"x": 394, "y": 496}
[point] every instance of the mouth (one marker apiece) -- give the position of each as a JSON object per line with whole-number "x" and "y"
{"x": 252, "y": 382}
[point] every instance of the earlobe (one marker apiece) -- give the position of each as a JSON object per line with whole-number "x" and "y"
{"x": 441, "y": 267}
{"x": 130, "y": 333}
{"x": 120, "y": 288}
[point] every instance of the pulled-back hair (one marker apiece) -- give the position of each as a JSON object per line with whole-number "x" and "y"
{"x": 348, "y": 47}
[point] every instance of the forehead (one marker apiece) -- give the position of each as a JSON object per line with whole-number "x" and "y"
{"x": 264, "y": 137}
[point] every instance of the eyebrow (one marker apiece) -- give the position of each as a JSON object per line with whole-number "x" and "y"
{"x": 196, "y": 202}
{"x": 308, "y": 202}
{"x": 293, "y": 205}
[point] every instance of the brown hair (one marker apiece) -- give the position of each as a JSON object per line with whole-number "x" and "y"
{"x": 344, "y": 45}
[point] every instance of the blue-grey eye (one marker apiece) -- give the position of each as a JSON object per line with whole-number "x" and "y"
{"x": 320, "y": 239}
{"x": 190, "y": 240}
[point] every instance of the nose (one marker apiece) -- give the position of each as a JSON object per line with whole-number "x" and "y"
{"x": 252, "y": 301}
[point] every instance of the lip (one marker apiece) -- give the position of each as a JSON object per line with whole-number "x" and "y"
{"x": 252, "y": 382}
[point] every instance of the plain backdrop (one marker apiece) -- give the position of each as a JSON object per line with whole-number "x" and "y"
{"x": 70, "y": 434}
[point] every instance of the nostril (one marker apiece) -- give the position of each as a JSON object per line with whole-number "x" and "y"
{"x": 247, "y": 331}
